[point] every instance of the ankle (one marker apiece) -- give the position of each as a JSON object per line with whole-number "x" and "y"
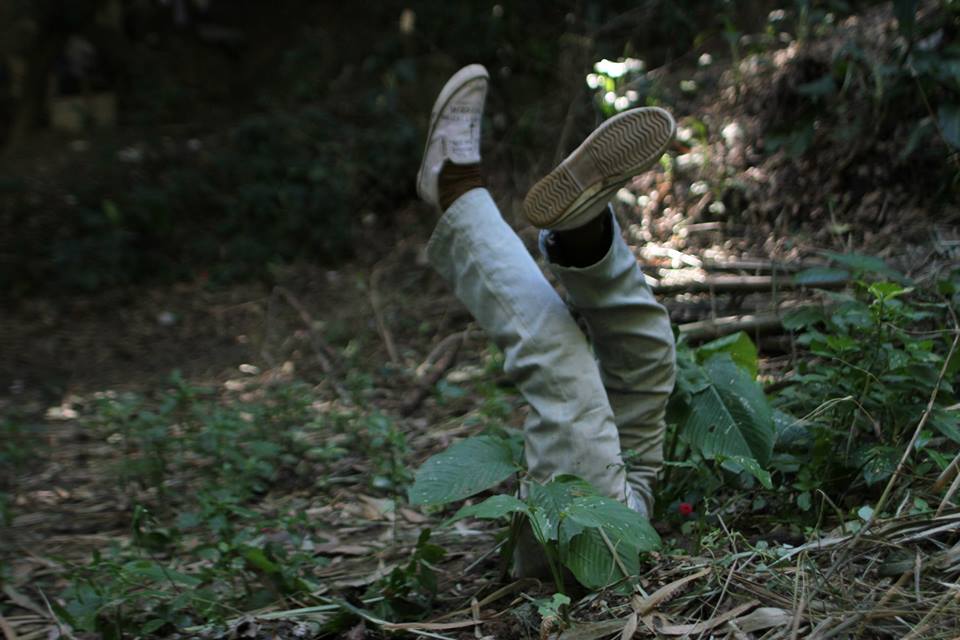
{"x": 581, "y": 246}
{"x": 455, "y": 180}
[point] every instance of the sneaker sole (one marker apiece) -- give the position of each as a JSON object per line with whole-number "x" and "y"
{"x": 622, "y": 147}
{"x": 467, "y": 74}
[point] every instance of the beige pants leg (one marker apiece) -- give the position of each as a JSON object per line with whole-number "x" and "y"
{"x": 634, "y": 344}
{"x": 571, "y": 428}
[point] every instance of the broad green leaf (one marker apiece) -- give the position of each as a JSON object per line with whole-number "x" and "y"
{"x": 821, "y": 275}
{"x": 730, "y": 417}
{"x": 588, "y": 555}
{"x": 740, "y": 348}
{"x": 492, "y": 508}
{"x": 878, "y": 463}
{"x": 544, "y": 526}
{"x": 589, "y": 559}
{"x": 466, "y": 468}
{"x": 553, "y": 498}
{"x": 751, "y": 466}
{"x": 618, "y": 520}
{"x": 946, "y": 423}
{"x": 791, "y": 431}
{"x": 690, "y": 375}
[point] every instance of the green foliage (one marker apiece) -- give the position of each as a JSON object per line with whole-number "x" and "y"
{"x": 598, "y": 539}
{"x": 718, "y": 408}
{"x": 880, "y": 351}
{"x": 388, "y": 450}
{"x": 465, "y": 469}
{"x": 199, "y": 556}
{"x": 408, "y": 591}
{"x": 185, "y": 431}
{"x": 870, "y": 359}
{"x": 906, "y": 89}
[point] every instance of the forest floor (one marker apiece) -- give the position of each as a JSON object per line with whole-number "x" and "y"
{"x": 369, "y": 368}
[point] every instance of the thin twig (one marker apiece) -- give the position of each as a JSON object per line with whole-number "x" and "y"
{"x": 613, "y": 552}
{"x": 8, "y": 631}
{"x": 64, "y": 630}
{"x": 916, "y": 432}
{"x": 430, "y": 379}
{"x": 382, "y": 326}
{"x": 745, "y": 284}
{"x": 934, "y": 610}
{"x": 949, "y": 495}
{"x": 945, "y": 475}
{"x": 322, "y": 351}
{"x": 454, "y": 340}
{"x": 903, "y": 459}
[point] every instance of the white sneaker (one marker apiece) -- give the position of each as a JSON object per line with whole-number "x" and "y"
{"x": 579, "y": 188}
{"x": 454, "y": 133}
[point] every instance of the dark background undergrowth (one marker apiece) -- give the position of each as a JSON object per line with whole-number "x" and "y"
{"x": 251, "y": 136}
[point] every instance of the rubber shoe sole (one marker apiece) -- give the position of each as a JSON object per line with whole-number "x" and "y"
{"x": 626, "y": 145}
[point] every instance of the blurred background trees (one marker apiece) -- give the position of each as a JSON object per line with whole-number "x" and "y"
{"x": 160, "y": 139}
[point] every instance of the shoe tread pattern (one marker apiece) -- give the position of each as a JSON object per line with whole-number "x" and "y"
{"x": 626, "y": 146}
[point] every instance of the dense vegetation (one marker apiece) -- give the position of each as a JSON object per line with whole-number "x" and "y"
{"x": 340, "y": 485}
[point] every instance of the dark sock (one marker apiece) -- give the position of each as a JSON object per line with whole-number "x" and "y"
{"x": 584, "y": 245}
{"x": 455, "y": 180}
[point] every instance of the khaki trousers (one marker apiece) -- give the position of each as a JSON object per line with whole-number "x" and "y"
{"x": 587, "y": 405}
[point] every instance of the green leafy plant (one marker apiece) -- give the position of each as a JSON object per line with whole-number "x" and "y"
{"x": 387, "y": 449}
{"x": 408, "y": 591}
{"x": 877, "y": 353}
{"x": 718, "y": 413}
{"x": 199, "y": 556}
{"x": 908, "y": 89}
{"x": 598, "y": 539}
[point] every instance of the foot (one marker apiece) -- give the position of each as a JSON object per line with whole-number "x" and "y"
{"x": 579, "y": 188}
{"x": 454, "y": 134}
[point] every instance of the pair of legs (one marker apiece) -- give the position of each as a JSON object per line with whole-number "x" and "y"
{"x": 588, "y": 405}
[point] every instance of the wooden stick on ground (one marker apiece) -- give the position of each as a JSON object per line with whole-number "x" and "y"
{"x": 382, "y": 326}
{"x": 450, "y": 348}
{"x": 744, "y": 284}
{"x": 710, "y": 329}
{"x": 758, "y": 266}
{"x": 321, "y": 349}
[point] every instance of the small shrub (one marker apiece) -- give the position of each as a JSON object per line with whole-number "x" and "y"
{"x": 598, "y": 539}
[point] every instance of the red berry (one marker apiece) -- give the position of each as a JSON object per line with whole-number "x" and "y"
{"x": 685, "y": 508}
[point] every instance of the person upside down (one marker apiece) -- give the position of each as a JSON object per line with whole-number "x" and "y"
{"x": 592, "y": 396}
